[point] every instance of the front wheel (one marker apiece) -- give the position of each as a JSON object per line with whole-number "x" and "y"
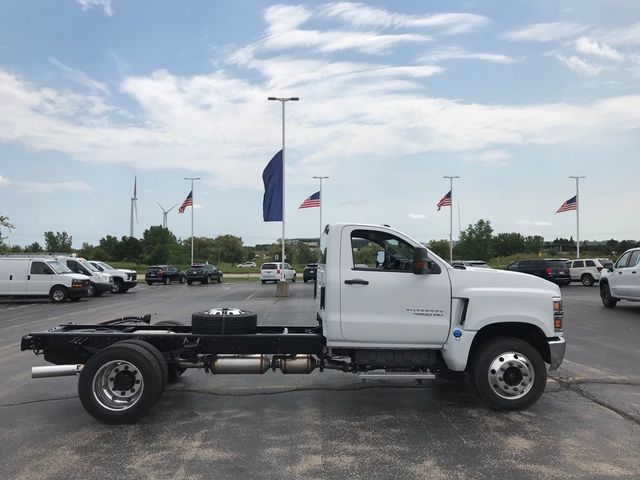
{"x": 118, "y": 286}
{"x": 508, "y": 373}
{"x": 219, "y": 278}
{"x": 607, "y": 299}
{"x": 91, "y": 291}
{"x": 182, "y": 279}
{"x": 58, "y": 294}
{"x": 167, "y": 280}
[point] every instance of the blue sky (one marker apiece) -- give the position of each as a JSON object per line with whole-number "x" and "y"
{"x": 513, "y": 96}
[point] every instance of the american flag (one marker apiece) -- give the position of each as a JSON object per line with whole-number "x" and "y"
{"x": 188, "y": 202}
{"x": 312, "y": 201}
{"x": 445, "y": 201}
{"x": 570, "y": 204}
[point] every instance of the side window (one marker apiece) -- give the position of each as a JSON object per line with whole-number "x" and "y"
{"x": 40, "y": 268}
{"x": 513, "y": 266}
{"x": 623, "y": 261}
{"x": 287, "y": 266}
{"x": 374, "y": 250}
{"x": 635, "y": 256}
{"x": 578, "y": 264}
{"x": 590, "y": 263}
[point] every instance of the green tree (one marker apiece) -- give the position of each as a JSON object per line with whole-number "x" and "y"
{"x": 533, "y": 244}
{"x": 230, "y": 248}
{"x": 109, "y": 245}
{"x": 157, "y": 243}
{"x": 505, "y": 244}
{"x": 59, "y": 242}
{"x": 440, "y": 247}
{"x": 5, "y": 224}
{"x": 476, "y": 241}
{"x": 129, "y": 249}
{"x": 35, "y": 247}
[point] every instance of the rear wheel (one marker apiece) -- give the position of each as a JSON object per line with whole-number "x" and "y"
{"x": 219, "y": 278}
{"x": 182, "y": 279}
{"x": 607, "y": 299}
{"x": 166, "y": 280}
{"x": 587, "y": 279}
{"x": 508, "y": 373}
{"x": 120, "y": 383}
{"x": 58, "y": 294}
{"x": 157, "y": 355}
{"x": 149, "y": 283}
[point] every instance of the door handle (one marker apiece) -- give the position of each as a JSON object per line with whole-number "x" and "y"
{"x": 28, "y": 277}
{"x": 633, "y": 271}
{"x": 619, "y": 273}
{"x": 357, "y": 281}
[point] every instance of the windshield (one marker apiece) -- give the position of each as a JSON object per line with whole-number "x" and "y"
{"x": 88, "y": 266}
{"x": 59, "y": 267}
{"x": 106, "y": 266}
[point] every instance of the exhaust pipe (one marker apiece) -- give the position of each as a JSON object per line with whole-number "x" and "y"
{"x": 248, "y": 364}
{"x": 298, "y": 364}
{"x": 56, "y": 371}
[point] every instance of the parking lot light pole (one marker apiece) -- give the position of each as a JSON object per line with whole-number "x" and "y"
{"x": 193, "y": 202}
{"x": 577, "y": 177}
{"x": 451, "y": 215}
{"x": 283, "y": 100}
{"x": 321, "y": 202}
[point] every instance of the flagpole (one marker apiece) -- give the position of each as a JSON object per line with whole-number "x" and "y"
{"x": 451, "y": 215}
{"x": 578, "y": 177}
{"x": 321, "y": 201}
{"x": 193, "y": 204}
{"x": 283, "y": 101}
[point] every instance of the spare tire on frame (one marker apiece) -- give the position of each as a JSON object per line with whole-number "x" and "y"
{"x": 224, "y": 321}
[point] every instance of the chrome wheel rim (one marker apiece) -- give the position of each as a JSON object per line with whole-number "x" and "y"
{"x": 118, "y": 385}
{"x": 511, "y": 375}
{"x": 58, "y": 295}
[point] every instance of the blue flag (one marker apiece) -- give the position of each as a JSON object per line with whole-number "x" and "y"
{"x": 272, "y": 201}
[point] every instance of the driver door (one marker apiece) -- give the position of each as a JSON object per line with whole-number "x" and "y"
{"x": 382, "y": 303}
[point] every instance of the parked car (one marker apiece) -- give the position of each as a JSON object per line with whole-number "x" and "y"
{"x": 247, "y": 265}
{"x": 622, "y": 281}
{"x": 310, "y": 272}
{"x": 203, "y": 273}
{"x": 164, "y": 274}
{"x": 123, "y": 279}
{"x": 40, "y": 276}
{"x": 271, "y": 272}
{"x": 554, "y": 270}
{"x": 462, "y": 264}
{"x": 585, "y": 270}
{"x": 100, "y": 282}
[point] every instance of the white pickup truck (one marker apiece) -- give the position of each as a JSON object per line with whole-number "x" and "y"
{"x": 386, "y": 307}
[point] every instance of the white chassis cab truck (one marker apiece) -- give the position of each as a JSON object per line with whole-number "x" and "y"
{"x": 386, "y": 307}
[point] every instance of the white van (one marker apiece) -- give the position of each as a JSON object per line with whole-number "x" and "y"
{"x": 100, "y": 282}
{"x": 40, "y": 276}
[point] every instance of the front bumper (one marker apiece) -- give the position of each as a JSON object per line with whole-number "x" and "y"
{"x": 557, "y": 347}
{"x": 103, "y": 287}
{"x": 130, "y": 284}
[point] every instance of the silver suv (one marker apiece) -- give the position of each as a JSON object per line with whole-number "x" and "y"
{"x": 622, "y": 281}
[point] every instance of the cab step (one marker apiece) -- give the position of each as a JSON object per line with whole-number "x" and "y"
{"x": 402, "y": 376}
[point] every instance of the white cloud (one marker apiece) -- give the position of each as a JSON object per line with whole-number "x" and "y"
{"x": 534, "y": 223}
{"x": 492, "y": 158}
{"x": 601, "y": 50}
{"x": 80, "y": 77}
{"x": 106, "y": 6}
{"x": 417, "y": 216}
{"x": 545, "y": 32}
{"x": 580, "y": 66}
{"x": 360, "y": 15}
{"x": 626, "y": 36}
{"x": 283, "y": 33}
{"x": 44, "y": 187}
{"x": 459, "y": 53}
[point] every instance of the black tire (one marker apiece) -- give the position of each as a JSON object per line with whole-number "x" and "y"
{"x": 587, "y": 279}
{"x": 263, "y": 281}
{"x": 131, "y": 365}
{"x": 125, "y": 290}
{"x": 293, "y": 279}
{"x": 228, "y": 323}
{"x": 219, "y": 278}
{"x": 118, "y": 286}
{"x": 182, "y": 279}
{"x": 166, "y": 280}
{"x": 149, "y": 283}
{"x": 206, "y": 280}
{"x": 58, "y": 294}
{"x": 156, "y": 353}
{"x": 173, "y": 370}
{"x": 189, "y": 282}
{"x": 92, "y": 291}
{"x": 607, "y": 299}
{"x": 501, "y": 373}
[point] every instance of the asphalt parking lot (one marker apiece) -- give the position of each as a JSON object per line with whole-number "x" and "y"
{"x": 323, "y": 425}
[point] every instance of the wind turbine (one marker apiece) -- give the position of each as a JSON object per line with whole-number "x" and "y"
{"x": 164, "y": 214}
{"x": 134, "y": 204}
